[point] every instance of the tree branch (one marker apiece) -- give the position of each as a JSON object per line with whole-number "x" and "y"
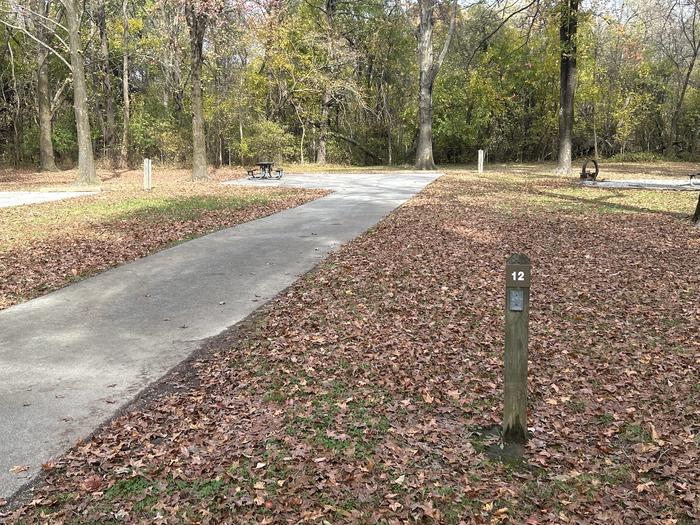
{"x": 448, "y": 40}
{"x": 498, "y": 28}
{"x": 362, "y": 147}
{"x": 58, "y": 97}
{"x": 51, "y": 49}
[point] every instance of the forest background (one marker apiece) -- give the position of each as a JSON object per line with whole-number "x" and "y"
{"x": 337, "y": 81}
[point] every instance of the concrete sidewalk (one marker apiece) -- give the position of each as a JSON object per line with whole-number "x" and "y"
{"x": 646, "y": 184}
{"x": 71, "y": 359}
{"x": 19, "y": 198}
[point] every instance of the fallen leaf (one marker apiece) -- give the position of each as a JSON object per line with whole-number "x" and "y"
{"x": 93, "y": 483}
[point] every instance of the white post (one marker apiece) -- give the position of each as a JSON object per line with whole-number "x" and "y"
{"x": 481, "y": 161}
{"x": 147, "y": 174}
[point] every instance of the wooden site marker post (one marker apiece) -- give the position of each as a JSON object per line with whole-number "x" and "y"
{"x": 481, "y": 161}
{"x": 515, "y": 356}
{"x": 147, "y": 174}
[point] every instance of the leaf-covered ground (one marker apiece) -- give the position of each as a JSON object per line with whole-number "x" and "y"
{"x": 46, "y": 246}
{"x": 369, "y": 391}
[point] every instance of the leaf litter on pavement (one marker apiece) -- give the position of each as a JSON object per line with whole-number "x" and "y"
{"x": 368, "y": 391}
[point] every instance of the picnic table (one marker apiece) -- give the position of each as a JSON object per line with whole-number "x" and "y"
{"x": 265, "y": 171}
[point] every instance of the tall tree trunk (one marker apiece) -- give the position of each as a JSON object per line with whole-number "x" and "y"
{"x": 107, "y": 102}
{"x": 387, "y": 118}
{"x": 240, "y": 137}
{"x": 303, "y": 133}
{"x": 424, "y": 151}
{"x": 321, "y": 153}
{"x": 595, "y": 135}
{"x": 567, "y": 80}
{"x": 17, "y": 151}
{"x": 47, "y": 160}
{"x": 696, "y": 215}
{"x": 124, "y": 151}
{"x": 323, "y": 129}
{"x": 429, "y": 68}
{"x": 676, "y": 115}
{"x": 17, "y": 145}
{"x": 86, "y": 161}
{"x": 595, "y": 102}
{"x": 197, "y": 26}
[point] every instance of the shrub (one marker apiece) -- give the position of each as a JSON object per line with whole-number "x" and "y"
{"x": 639, "y": 156}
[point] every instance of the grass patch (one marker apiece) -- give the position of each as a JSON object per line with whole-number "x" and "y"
{"x": 605, "y": 419}
{"x": 635, "y": 433}
{"x": 125, "y": 488}
{"x": 207, "y": 488}
{"x": 185, "y": 208}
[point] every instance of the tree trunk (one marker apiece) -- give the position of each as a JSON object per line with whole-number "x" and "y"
{"x": 47, "y": 160}
{"x": 301, "y": 143}
{"x": 240, "y": 142}
{"x": 696, "y": 215}
{"x": 429, "y": 68}
{"x": 595, "y": 136}
{"x": 323, "y": 129}
{"x": 303, "y": 133}
{"x": 387, "y": 117}
{"x": 126, "y": 117}
{"x": 17, "y": 146}
{"x": 594, "y": 106}
{"x": 197, "y": 26}
{"x": 86, "y": 161}
{"x": 321, "y": 153}
{"x": 17, "y": 153}
{"x": 567, "y": 81}
{"x": 424, "y": 151}
{"x": 108, "y": 104}
{"x": 676, "y": 115}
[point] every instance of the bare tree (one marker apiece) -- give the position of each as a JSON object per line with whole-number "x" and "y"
{"x": 429, "y": 67}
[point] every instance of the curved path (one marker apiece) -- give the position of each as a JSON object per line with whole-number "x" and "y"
{"x": 71, "y": 359}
